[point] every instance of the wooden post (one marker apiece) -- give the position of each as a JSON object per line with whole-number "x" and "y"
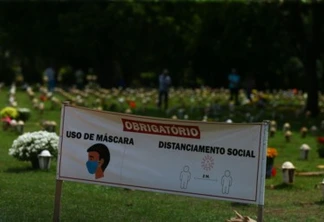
{"x": 59, "y": 182}
{"x": 260, "y": 213}
{"x": 57, "y": 202}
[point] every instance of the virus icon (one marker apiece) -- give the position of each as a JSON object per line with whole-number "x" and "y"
{"x": 207, "y": 163}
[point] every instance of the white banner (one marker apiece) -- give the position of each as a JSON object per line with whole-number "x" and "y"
{"x": 224, "y": 161}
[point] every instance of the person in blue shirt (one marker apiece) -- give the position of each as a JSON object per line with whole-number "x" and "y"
{"x": 164, "y": 84}
{"x": 234, "y": 81}
{"x": 49, "y": 74}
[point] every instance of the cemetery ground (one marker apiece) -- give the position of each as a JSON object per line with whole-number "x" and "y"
{"x": 28, "y": 195}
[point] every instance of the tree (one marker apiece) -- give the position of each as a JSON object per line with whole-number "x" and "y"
{"x": 305, "y": 23}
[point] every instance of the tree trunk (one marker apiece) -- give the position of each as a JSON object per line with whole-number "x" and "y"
{"x": 307, "y": 45}
{"x": 311, "y": 56}
{"x": 312, "y": 84}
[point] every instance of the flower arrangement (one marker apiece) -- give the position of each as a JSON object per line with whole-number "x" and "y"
{"x": 132, "y": 104}
{"x": 43, "y": 97}
{"x": 9, "y": 112}
{"x": 272, "y": 152}
{"x": 320, "y": 146}
{"x": 49, "y": 126}
{"x": 28, "y": 145}
{"x": 320, "y": 140}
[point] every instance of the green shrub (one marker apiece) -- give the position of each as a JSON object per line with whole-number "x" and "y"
{"x": 23, "y": 114}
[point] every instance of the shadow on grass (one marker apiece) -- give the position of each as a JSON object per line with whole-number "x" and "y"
{"x": 283, "y": 186}
{"x": 241, "y": 205}
{"x": 20, "y": 170}
{"x": 321, "y": 202}
{"x": 305, "y": 204}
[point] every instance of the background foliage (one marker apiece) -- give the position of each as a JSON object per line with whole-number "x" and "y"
{"x": 125, "y": 39}
{"x": 198, "y": 41}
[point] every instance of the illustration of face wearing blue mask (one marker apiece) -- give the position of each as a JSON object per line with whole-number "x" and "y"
{"x": 98, "y": 159}
{"x": 92, "y": 166}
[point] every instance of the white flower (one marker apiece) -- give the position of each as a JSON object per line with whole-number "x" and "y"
{"x": 121, "y": 99}
{"x": 30, "y": 144}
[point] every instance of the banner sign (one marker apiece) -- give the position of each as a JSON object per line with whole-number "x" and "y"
{"x": 224, "y": 161}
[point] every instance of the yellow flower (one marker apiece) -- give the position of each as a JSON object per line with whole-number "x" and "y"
{"x": 272, "y": 152}
{"x": 12, "y": 112}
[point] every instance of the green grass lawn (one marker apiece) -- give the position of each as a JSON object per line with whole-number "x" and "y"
{"x": 28, "y": 195}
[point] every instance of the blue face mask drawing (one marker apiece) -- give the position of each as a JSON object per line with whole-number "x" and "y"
{"x": 92, "y": 166}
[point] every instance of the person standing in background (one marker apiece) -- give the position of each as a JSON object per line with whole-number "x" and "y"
{"x": 79, "y": 77}
{"x": 164, "y": 84}
{"x": 234, "y": 81}
{"x": 249, "y": 85}
{"x": 49, "y": 75}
